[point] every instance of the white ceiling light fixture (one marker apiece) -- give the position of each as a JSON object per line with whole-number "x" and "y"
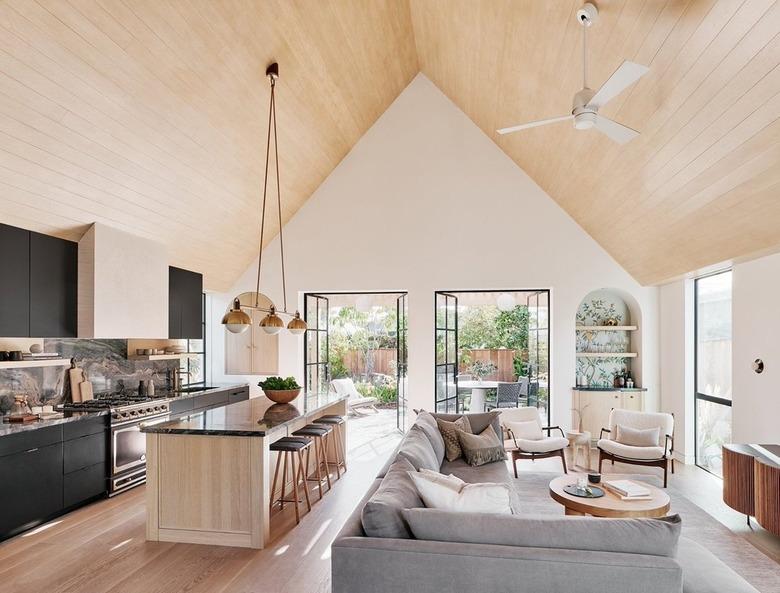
{"x": 236, "y": 320}
{"x": 586, "y": 103}
{"x": 506, "y": 302}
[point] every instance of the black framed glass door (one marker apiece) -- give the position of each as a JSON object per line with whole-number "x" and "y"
{"x": 712, "y": 362}
{"x": 446, "y": 347}
{"x": 316, "y": 374}
{"x": 538, "y": 304}
{"x": 402, "y": 359}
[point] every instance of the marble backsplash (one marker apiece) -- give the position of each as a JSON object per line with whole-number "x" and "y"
{"x": 104, "y": 362}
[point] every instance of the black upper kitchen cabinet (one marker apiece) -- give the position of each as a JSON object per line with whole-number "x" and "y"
{"x": 38, "y": 285}
{"x": 53, "y": 287}
{"x": 14, "y": 282}
{"x": 185, "y": 304}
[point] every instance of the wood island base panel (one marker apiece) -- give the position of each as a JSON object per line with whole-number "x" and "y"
{"x": 209, "y": 474}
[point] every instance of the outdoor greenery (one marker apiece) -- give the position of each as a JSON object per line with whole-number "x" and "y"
{"x": 279, "y": 384}
{"x": 487, "y": 327}
{"x": 351, "y": 329}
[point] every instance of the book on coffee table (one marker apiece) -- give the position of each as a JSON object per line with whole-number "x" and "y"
{"x": 628, "y": 490}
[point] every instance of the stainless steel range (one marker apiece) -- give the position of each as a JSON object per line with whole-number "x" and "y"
{"x": 128, "y": 444}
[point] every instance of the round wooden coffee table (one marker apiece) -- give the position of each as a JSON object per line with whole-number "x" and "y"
{"x": 609, "y": 505}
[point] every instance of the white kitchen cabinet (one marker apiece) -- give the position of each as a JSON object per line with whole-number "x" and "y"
{"x": 253, "y": 352}
{"x": 591, "y": 408}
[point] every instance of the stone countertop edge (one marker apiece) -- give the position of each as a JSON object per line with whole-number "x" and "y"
{"x": 197, "y": 423}
{"x": 214, "y": 388}
{"x": 8, "y": 428}
{"x": 610, "y": 388}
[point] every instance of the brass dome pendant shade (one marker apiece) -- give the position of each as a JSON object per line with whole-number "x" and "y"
{"x": 236, "y": 320}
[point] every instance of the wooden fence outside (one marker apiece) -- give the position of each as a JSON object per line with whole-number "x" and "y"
{"x": 383, "y": 362}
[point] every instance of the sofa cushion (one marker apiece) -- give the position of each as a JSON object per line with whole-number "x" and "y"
{"x": 704, "y": 573}
{"x": 477, "y": 422}
{"x": 487, "y": 497}
{"x": 654, "y": 537}
{"x": 492, "y": 472}
{"x": 637, "y": 437}
{"x": 630, "y": 452}
{"x": 416, "y": 447}
{"x": 449, "y": 432}
{"x": 451, "y": 480}
{"x": 427, "y": 423}
{"x": 483, "y": 448}
{"x": 381, "y": 515}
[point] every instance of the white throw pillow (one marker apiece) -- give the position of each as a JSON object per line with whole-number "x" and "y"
{"x": 451, "y": 481}
{"x": 473, "y": 498}
{"x": 529, "y": 430}
{"x": 636, "y": 437}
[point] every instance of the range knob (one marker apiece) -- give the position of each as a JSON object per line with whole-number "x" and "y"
{"x": 115, "y": 416}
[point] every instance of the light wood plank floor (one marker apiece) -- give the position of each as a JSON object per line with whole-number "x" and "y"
{"x": 101, "y": 548}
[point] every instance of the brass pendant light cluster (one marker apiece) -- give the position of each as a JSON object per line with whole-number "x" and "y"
{"x": 236, "y": 320}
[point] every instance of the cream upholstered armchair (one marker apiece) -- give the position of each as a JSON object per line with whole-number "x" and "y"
{"x": 638, "y": 438}
{"x": 524, "y": 436}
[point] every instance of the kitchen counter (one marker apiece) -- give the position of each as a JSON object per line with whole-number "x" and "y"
{"x": 196, "y": 463}
{"x": 8, "y": 428}
{"x": 212, "y": 388}
{"x": 610, "y": 388}
{"x": 256, "y": 417}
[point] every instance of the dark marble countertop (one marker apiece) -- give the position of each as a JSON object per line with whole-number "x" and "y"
{"x": 7, "y": 428}
{"x": 212, "y": 387}
{"x": 254, "y": 417}
{"x": 610, "y": 388}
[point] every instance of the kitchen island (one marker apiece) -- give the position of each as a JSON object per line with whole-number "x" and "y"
{"x": 208, "y": 474}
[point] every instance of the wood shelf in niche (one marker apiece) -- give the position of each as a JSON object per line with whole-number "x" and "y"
{"x": 607, "y": 354}
{"x": 607, "y": 328}
{"x": 22, "y": 364}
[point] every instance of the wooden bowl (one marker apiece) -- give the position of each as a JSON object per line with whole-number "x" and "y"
{"x": 282, "y": 396}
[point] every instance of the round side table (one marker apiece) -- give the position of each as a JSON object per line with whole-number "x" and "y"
{"x": 579, "y": 440}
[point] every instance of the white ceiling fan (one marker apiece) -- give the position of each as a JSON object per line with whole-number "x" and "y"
{"x": 586, "y": 103}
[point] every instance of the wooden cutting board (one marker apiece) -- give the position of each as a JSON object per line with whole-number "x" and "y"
{"x": 86, "y": 391}
{"x": 76, "y": 379}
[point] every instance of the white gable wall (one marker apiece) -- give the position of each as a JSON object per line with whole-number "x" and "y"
{"x": 425, "y": 201}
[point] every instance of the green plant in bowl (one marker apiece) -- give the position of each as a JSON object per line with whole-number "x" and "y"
{"x": 279, "y": 390}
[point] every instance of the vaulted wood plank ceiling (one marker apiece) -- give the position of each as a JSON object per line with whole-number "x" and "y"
{"x": 150, "y": 115}
{"x": 699, "y": 186}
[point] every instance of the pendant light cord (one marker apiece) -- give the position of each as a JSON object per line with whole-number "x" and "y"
{"x": 279, "y": 200}
{"x": 265, "y": 192}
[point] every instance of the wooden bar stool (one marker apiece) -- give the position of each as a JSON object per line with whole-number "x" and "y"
{"x": 320, "y": 433}
{"x": 337, "y": 422}
{"x": 290, "y": 449}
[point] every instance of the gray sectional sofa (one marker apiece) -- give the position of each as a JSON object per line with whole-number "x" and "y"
{"x": 392, "y": 543}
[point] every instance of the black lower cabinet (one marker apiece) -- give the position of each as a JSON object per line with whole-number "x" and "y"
{"x": 31, "y": 488}
{"x": 46, "y": 471}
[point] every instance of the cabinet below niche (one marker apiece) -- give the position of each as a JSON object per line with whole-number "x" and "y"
{"x": 591, "y": 407}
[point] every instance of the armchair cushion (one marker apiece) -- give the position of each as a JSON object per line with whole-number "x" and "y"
{"x": 529, "y": 431}
{"x": 637, "y": 437}
{"x": 643, "y": 420}
{"x": 629, "y": 451}
{"x": 545, "y": 445}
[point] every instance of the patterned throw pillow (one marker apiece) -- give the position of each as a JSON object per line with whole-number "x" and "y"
{"x": 482, "y": 448}
{"x": 449, "y": 432}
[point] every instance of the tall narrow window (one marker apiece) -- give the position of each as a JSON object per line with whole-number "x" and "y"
{"x": 713, "y": 369}
{"x": 194, "y": 365}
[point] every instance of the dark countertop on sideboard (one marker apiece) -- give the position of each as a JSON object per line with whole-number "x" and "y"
{"x": 254, "y": 417}
{"x": 8, "y": 428}
{"x": 610, "y": 388}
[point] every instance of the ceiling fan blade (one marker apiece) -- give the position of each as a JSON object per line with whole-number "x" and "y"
{"x": 615, "y": 131}
{"x": 622, "y": 78}
{"x": 533, "y": 124}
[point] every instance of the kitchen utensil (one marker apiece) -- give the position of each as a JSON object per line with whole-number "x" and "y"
{"x": 23, "y": 418}
{"x": 15, "y": 355}
{"x": 86, "y": 391}
{"x": 19, "y": 407}
{"x": 76, "y": 379}
{"x": 5, "y": 355}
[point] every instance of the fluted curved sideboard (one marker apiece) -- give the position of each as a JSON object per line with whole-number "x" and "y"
{"x": 751, "y": 482}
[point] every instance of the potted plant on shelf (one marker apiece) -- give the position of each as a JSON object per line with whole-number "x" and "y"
{"x": 281, "y": 391}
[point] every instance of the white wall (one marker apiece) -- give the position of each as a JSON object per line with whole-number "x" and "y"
{"x": 756, "y": 319}
{"x": 676, "y": 363}
{"x": 423, "y": 202}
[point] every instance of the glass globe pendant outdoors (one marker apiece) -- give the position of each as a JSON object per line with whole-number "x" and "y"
{"x": 236, "y": 320}
{"x": 506, "y": 302}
